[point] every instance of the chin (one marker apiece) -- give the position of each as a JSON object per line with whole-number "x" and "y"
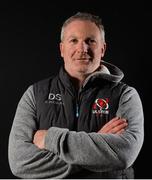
{"x": 83, "y": 70}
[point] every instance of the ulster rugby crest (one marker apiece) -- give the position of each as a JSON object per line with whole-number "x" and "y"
{"x": 100, "y": 106}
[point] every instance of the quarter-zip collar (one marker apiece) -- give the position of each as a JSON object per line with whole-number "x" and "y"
{"x": 107, "y": 71}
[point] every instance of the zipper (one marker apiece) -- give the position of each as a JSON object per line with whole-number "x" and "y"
{"x": 77, "y": 110}
{"x": 78, "y": 104}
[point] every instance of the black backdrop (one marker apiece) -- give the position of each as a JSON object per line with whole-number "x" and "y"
{"x": 29, "y": 51}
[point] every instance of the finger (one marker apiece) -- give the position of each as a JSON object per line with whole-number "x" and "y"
{"x": 118, "y": 128}
{"x": 116, "y": 123}
{"x": 112, "y": 121}
{"x": 104, "y": 128}
{"x": 121, "y": 131}
{"x": 112, "y": 124}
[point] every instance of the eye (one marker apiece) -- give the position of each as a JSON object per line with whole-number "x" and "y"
{"x": 74, "y": 41}
{"x": 90, "y": 41}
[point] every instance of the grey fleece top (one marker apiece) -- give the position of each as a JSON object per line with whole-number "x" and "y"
{"x": 93, "y": 151}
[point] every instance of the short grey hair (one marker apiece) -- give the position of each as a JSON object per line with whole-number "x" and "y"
{"x": 84, "y": 17}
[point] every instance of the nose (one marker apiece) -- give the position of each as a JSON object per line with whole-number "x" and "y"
{"x": 83, "y": 47}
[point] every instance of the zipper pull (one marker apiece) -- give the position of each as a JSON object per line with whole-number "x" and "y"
{"x": 77, "y": 110}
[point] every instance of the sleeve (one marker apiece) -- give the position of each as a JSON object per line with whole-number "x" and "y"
{"x": 103, "y": 152}
{"x": 25, "y": 159}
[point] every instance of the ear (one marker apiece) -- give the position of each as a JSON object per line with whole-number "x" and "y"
{"x": 103, "y": 49}
{"x": 61, "y": 49}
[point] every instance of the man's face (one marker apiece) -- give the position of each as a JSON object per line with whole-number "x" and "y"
{"x": 82, "y": 47}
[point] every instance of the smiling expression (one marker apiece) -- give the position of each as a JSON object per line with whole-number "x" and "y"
{"x": 82, "y": 47}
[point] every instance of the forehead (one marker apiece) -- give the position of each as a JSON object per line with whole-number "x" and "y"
{"x": 81, "y": 27}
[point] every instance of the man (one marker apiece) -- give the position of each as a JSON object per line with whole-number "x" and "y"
{"x": 82, "y": 123}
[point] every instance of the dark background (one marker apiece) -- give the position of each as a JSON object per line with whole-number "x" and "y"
{"x": 29, "y": 51}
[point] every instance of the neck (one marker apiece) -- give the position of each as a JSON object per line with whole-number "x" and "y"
{"x": 78, "y": 80}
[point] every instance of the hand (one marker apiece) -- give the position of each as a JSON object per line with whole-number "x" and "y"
{"x": 39, "y": 138}
{"x": 115, "y": 126}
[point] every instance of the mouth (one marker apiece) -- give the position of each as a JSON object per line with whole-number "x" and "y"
{"x": 83, "y": 59}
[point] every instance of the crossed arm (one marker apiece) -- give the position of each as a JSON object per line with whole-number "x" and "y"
{"x": 54, "y": 153}
{"x": 116, "y": 126}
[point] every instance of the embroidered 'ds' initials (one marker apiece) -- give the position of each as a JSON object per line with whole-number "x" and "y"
{"x": 54, "y": 99}
{"x": 53, "y": 96}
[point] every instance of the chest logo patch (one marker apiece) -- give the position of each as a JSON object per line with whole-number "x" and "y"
{"x": 54, "y": 99}
{"x": 101, "y": 106}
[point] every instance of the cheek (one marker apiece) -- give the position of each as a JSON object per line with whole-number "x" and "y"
{"x": 98, "y": 53}
{"x": 69, "y": 52}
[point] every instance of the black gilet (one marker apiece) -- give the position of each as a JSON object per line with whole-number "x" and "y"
{"x": 58, "y": 104}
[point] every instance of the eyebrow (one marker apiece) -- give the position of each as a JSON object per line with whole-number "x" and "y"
{"x": 73, "y": 36}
